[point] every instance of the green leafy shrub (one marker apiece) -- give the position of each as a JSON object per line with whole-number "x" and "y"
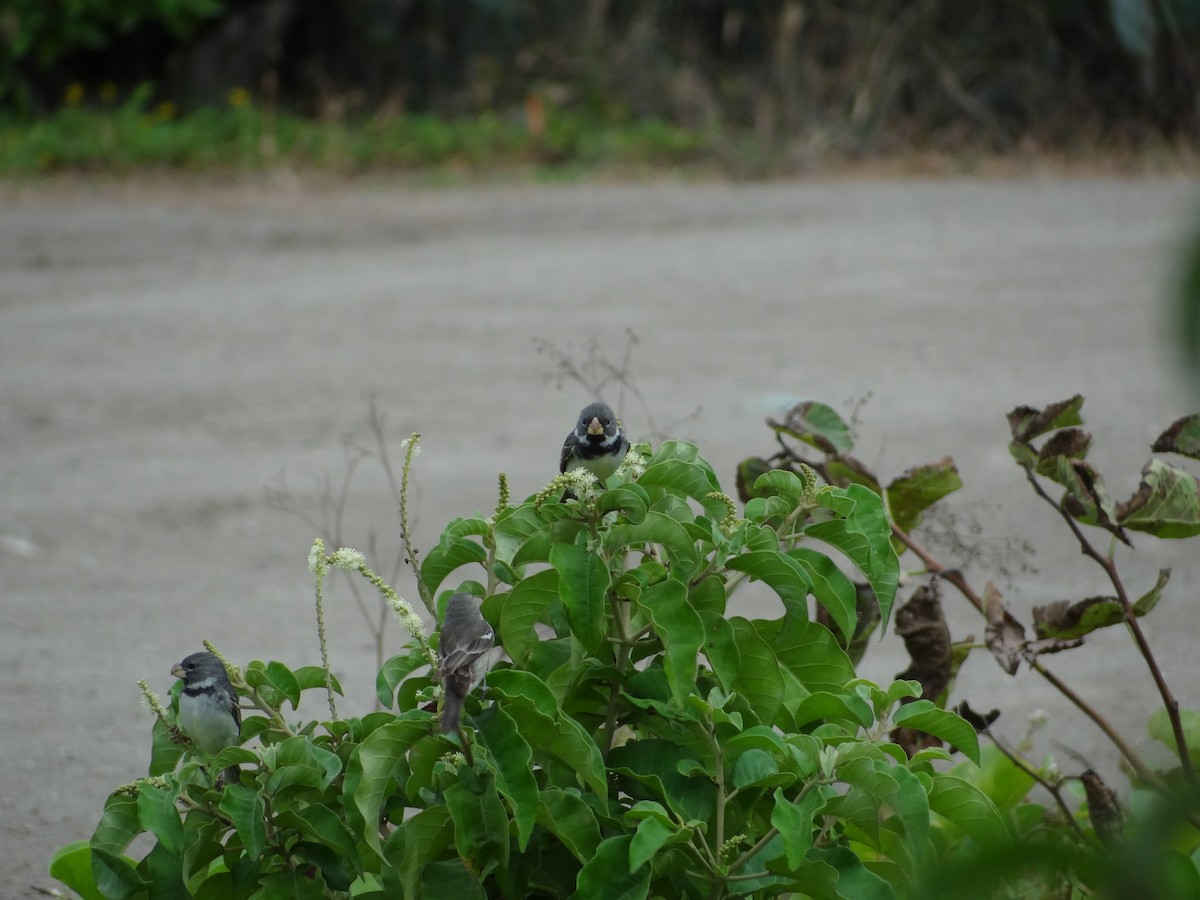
{"x": 639, "y": 738}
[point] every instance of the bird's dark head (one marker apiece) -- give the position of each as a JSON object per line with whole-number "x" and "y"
{"x": 596, "y": 421}
{"x": 197, "y": 667}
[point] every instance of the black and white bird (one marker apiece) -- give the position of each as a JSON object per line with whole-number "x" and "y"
{"x": 598, "y": 442}
{"x": 466, "y": 638}
{"x": 208, "y": 705}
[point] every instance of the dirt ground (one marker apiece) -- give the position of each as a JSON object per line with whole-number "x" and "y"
{"x": 167, "y": 352}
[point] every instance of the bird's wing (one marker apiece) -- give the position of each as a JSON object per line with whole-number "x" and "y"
{"x": 567, "y": 452}
{"x": 235, "y": 710}
{"x": 458, "y": 657}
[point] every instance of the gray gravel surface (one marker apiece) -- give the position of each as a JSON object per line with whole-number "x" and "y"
{"x": 168, "y": 352}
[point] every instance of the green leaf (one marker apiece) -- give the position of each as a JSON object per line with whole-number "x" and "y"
{"x": 658, "y": 528}
{"x": 277, "y": 677}
{"x": 583, "y": 582}
{"x": 1183, "y": 437}
{"x": 112, "y": 873}
{"x": 782, "y": 573}
{"x": 373, "y": 768}
{"x": 863, "y": 534}
{"x": 446, "y": 557}
{"x": 795, "y": 822}
{"x": 318, "y": 822}
{"x": 480, "y": 823}
{"x": 607, "y": 873}
{"x": 681, "y": 631}
{"x": 919, "y": 488}
{"x": 394, "y": 671}
{"x": 564, "y": 814}
{"x": 759, "y": 680}
{"x": 654, "y": 763}
{"x": 313, "y": 678}
{"x": 756, "y": 768}
{"x": 410, "y": 849}
{"x": 1027, "y": 423}
{"x": 951, "y": 728}
{"x": 812, "y": 654}
{"x": 523, "y": 607}
{"x": 1166, "y": 503}
{"x": 781, "y": 483}
{"x": 817, "y": 425}
{"x": 244, "y": 807}
{"x": 834, "y": 707}
{"x": 158, "y": 815}
{"x": 164, "y": 752}
{"x": 651, "y": 835}
{"x": 854, "y": 881}
{"x": 677, "y": 469}
{"x": 72, "y": 865}
{"x": 512, "y": 761}
{"x": 968, "y": 808}
{"x": 629, "y": 500}
{"x": 831, "y": 587}
{"x": 1161, "y": 730}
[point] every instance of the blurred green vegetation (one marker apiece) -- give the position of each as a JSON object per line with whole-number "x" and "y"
{"x": 850, "y": 77}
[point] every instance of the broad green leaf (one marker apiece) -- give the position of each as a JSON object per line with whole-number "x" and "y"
{"x": 244, "y": 807}
{"x": 607, "y": 873}
{"x": 854, "y": 880}
{"x": 969, "y": 809}
{"x": 681, "y": 631}
{"x": 164, "y": 752}
{"x": 756, "y": 768}
{"x": 831, "y": 587}
{"x": 692, "y": 478}
{"x": 410, "y": 849}
{"x": 373, "y": 767}
{"x": 780, "y": 483}
{"x": 313, "y": 677}
{"x": 158, "y": 815}
{"x": 630, "y": 500}
{"x": 573, "y": 822}
{"x": 1000, "y": 779}
{"x": 1183, "y": 437}
{"x": 861, "y": 531}
{"x": 519, "y": 525}
{"x": 951, "y": 728}
{"x": 795, "y": 822}
{"x": 1166, "y": 504}
{"x": 1160, "y": 729}
{"x": 918, "y": 489}
{"x": 911, "y": 805}
{"x": 812, "y": 654}
{"x": 783, "y": 574}
{"x": 817, "y": 425}
{"x": 720, "y": 647}
{"x": 583, "y": 582}
{"x": 824, "y": 706}
{"x": 72, "y": 865}
{"x": 394, "y": 671}
{"x": 318, "y": 822}
{"x": 293, "y": 885}
{"x": 512, "y": 761}
{"x": 759, "y": 680}
{"x": 480, "y": 822}
{"x": 1175, "y": 875}
{"x": 445, "y": 558}
{"x": 164, "y": 873}
{"x": 523, "y": 608}
{"x": 654, "y": 763}
{"x": 1027, "y": 423}
{"x": 277, "y": 677}
{"x": 450, "y": 878}
{"x": 115, "y": 876}
{"x": 658, "y": 528}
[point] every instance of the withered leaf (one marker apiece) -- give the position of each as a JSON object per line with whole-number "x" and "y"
{"x": 1103, "y": 810}
{"x": 1183, "y": 437}
{"x": 1005, "y": 636}
{"x": 845, "y": 469}
{"x": 1166, "y": 503}
{"x": 978, "y": 721}
{"x": 748, "y": 472}
{"x": 922, "y": 625}
{"x": 919, "y": 488}
{"x": 1026, "y": 423}
{"x": 1073, "y": 443}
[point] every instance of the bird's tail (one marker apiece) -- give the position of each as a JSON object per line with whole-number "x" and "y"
{"x": 452, "y": 712}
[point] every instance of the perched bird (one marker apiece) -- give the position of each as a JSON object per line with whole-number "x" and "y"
{"x": 598, "y": 442}
{"x": 466, "y": 637}
{"x": 208, "y": 705}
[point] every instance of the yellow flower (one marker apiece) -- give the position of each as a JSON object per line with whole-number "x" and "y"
{"x": 74, "y": 94}
{"x": 108, "y": 92}
{"x": 165, "y": 111}
{"x": 239, "y": 97}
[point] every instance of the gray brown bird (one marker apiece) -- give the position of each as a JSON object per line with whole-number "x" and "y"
{"x": 208, "y": 706}
{"x": 466, "y": 638}
{"x": 598, "y": 443}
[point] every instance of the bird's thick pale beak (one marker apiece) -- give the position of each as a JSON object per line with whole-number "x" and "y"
{"x": 595, "y": 427}
{"x": 177, "y": 670}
